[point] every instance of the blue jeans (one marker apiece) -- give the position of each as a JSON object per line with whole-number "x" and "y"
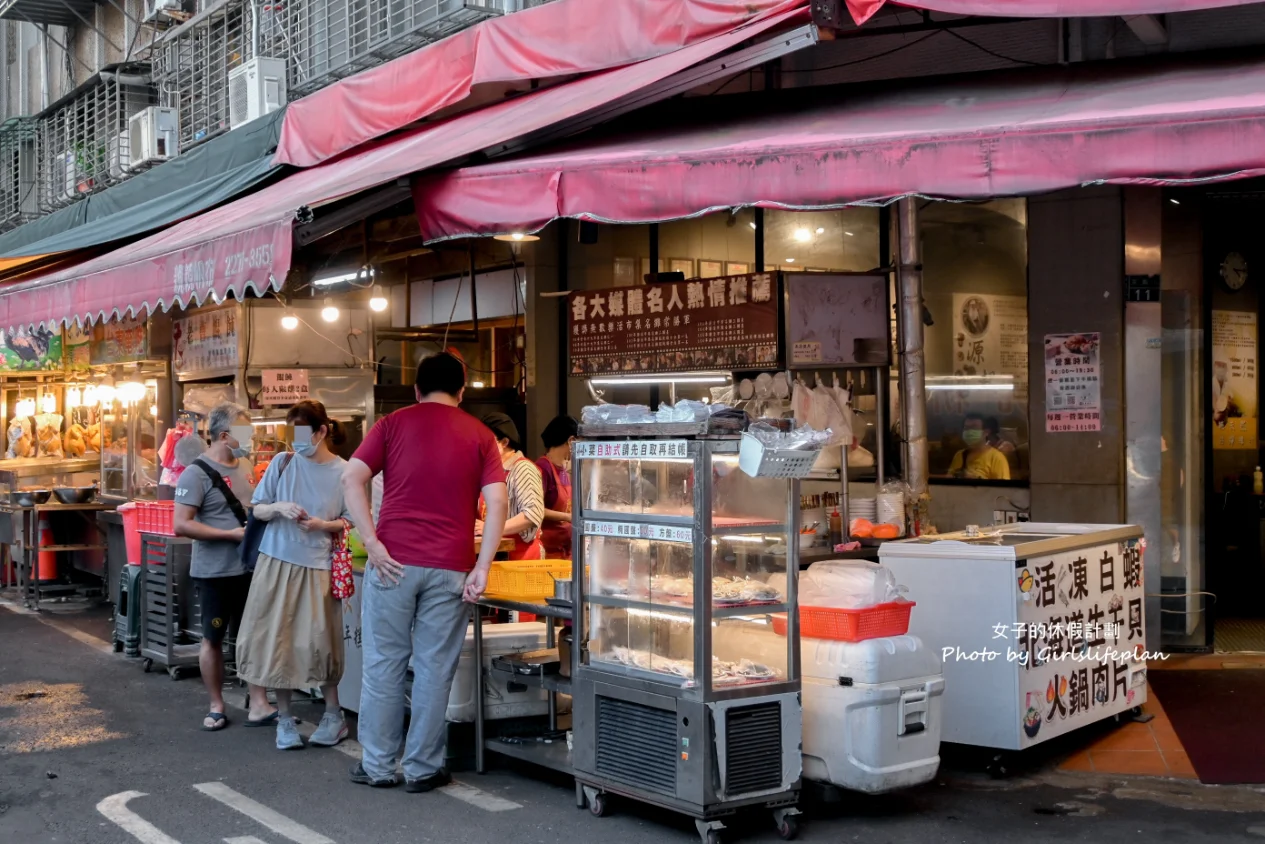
{"x": 422, "y": 617}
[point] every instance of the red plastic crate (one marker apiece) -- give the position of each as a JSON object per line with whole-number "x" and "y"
{"x": 156, "y": 517}
{"x": 876, "y": 622}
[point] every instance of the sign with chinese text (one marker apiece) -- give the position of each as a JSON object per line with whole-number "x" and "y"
{"x": 1234, "y": 424}
{"x": 1072, "y": 389}
{"x": 77, "y": 342}
{"x": 990, "y": 337}
{"x": 38, "y": 350}
{"x": 626, "y": 530}
{"x": 119, "y": 341}
{"x": 1079, "y": 625}
{"x": 720, "y": 323}
{"x": 838, "y": 319}
{"x": 283, "y": 387}
{"x": 205, "y": 341}
{"x": 632, "y": 449}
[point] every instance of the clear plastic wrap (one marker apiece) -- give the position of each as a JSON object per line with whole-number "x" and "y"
{"x": 847, "y": 584}
{"x": 778, "y": 440}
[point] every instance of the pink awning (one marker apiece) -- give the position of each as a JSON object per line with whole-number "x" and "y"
{"x": 244, "y": 244}
{"x": 994, "y": 135}
{"x": 557, "y": 39}
{"x": 863, "y": 10}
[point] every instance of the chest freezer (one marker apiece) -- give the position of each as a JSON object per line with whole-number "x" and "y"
{"x": 1039, "y": 627}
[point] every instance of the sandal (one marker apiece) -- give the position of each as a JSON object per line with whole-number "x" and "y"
{"x": 219, "y": 719}
{"x": 266, "y": 721}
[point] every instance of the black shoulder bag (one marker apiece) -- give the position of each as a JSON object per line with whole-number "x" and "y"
{"x": 249, "y": 547}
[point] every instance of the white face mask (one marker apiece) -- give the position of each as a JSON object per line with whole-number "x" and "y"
{"x": 243, "y": 434}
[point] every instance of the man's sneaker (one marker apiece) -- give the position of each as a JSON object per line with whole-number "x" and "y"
{"x": 331, "y": 730}
{"x": 288, "y": 737}
{"x": 359, "y": 777}
{"x": 434, "y": 781}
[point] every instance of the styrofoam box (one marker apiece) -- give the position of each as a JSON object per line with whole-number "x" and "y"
{"x": 871, "y": 712}
{"x": 498, "y": 701}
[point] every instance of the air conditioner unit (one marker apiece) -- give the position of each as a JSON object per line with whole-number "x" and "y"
{"x": 157, "y": 8}
{"x": 255, "y": 89}
{"x": 153, "y": 136}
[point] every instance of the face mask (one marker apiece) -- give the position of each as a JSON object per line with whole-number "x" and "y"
{"x": 972, "y": 437}
{"x": 303, "y": 444}
{"x": 243, "y": 435}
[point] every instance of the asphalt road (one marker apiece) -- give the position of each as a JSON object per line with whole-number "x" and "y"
{"x": 94, "y": 751}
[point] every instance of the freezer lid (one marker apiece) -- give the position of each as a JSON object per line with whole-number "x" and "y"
{"x": 1019, "y": 541}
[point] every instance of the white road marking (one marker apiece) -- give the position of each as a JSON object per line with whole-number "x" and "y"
{"x": 258, "y": 812}
{"x": 479, "y": 798}
{"x": 245, "y": 839}
{"x": 115, "y": 809}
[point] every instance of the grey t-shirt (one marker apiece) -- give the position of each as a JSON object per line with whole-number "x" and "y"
{"x": 318, "y": 489}
{"x": 219, "y": 558}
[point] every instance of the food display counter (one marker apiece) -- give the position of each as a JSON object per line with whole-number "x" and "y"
{"x": 684, "y": 697}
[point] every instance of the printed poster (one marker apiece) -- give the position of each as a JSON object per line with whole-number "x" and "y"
{"x": 1073, "y": 392}
{"x": 1080, "y": 625}
{"x": 1234, "y": 423}
{"x": 205, "y": 341}
{"x": 119, "y": 341}
{"x": 77, "y": 340}
{"x": 991, "y": 337}
{"x": 39, "y": 350}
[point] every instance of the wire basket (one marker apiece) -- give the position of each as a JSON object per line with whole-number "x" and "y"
{"x": 876, "y": 622}
{"x": 760, "y": 461}
{"x": 526, "y": 580}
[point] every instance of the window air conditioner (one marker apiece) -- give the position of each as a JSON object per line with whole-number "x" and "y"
{"x": 255, "y": 89}
{"x": 153, "y": 136}
{"x": 156, "y": 8}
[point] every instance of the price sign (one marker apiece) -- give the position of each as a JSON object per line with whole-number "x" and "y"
{"x": 283, "y": 387}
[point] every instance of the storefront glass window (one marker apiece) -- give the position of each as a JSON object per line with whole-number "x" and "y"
{"x": 845, "y": 240}
{"x": 975, "y": 281}
{"x": 711, "y": 246}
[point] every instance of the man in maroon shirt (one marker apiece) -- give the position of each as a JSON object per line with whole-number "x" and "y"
{"x": 436, "y": 460}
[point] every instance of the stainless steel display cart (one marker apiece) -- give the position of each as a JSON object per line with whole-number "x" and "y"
{"x": 171, "y": 633}
{"x": 684, "y": 697}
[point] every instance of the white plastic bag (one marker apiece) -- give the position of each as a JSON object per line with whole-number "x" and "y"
{"x": 824, "y": 399}
{"x": 847, "y": 584}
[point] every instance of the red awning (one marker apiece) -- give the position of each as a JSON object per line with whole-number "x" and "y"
{"x": 863, "y": 10}
{"x": 974, "y": 137}
{"x": 558, "y": 39}
{"x": 245, "y": 245}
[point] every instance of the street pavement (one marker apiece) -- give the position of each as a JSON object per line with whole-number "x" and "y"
{"x": 95, "y": 751}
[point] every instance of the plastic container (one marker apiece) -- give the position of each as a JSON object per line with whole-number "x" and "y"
{"x": 131, "y": 531}
{"x": 157, "y": 517}
{"x": 526, "y": 580}
{"x": 880, "y": 620}
{"x": 760, "y": 462}
{"x": 872, "y": 713}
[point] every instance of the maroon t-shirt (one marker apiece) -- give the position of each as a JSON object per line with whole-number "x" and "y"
{"x": 435, "y": 461}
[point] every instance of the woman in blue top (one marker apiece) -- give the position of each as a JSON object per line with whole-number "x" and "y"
{"x": 292, "y": 628}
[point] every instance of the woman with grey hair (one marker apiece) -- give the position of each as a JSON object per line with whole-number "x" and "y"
{"x": 210, "y": 497}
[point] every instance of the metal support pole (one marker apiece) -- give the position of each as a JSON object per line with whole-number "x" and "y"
{"x": 913, "y": 385}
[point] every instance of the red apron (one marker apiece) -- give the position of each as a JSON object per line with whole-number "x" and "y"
{"x": 533, "y": 550}
{"x": 556, "y": 536}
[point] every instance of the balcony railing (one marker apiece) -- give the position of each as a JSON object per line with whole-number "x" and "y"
{"x": 19, "y": 172}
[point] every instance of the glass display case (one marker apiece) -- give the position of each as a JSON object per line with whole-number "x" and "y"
{"x": 132, "y": 429}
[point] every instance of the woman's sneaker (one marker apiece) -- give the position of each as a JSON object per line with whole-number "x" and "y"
{"x": 288, "y": 737}
{"x": 331, "y": 730}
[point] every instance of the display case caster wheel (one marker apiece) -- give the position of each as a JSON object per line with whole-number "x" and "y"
{"x": 710, "y": 832}
{"x": 787, "y": 821}
{"x": 1000, "y": 767}
{"x": 598, "y": 801}
{"x": 147, "y": 664}
{"x": 118, "y": 646}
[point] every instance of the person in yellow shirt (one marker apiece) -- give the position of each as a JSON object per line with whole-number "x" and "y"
{"x": 978, "y": 461}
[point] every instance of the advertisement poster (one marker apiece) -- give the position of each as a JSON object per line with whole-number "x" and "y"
{"x": 1073, "y": 393}
{"x": 1234, "y": 380}
{"x": 722, "y": 323}
{"x": 31, "y": 351}
{"x": 205, "y": 341}
{"x": 120, "y": 341}
{"x": 991, "y": 337}
{"x": 1080, "y": 622}
{"x": 283, "y": 387}
{"x": 78, "y": 343}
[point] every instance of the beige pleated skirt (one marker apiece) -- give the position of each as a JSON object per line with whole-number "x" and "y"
{"x": 291, "y": 634}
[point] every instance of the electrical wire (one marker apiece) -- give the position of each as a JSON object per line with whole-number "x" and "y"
{"x": 892, "y": 51}
{"x": 959, "y": 36}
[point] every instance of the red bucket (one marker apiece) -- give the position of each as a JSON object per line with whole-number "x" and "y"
{"x": 131, "y": 531}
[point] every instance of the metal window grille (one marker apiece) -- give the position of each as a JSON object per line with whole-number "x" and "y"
{"x": 19, "y": 169}
{"x": 83, "y": 141}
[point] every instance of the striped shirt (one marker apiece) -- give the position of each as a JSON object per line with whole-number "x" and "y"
{"x": 527, "y": 493}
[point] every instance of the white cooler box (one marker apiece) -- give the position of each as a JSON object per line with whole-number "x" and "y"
{"x": 871, "y": 712}
{"x": 498, "y": 700}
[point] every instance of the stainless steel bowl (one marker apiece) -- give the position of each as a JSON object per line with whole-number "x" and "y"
{"x": 75, "y": 494}
{"x": 31, "y": 497}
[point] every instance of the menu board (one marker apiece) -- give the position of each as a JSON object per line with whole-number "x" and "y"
{"x": 838, "y": 319}
{"x": 1234, "y": 380}
{"x": 119, "y": 341}
{"x": 205, "y": 341}
{"x": 721, "y": 323}
{"x": 1073, "y": 391}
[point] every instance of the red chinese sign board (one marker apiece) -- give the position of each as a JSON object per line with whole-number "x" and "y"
{"x": 717, "y": 323}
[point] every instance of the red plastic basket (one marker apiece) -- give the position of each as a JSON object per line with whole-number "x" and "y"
{"x": 890, "y": 619}
{"x": 157, "y": 517}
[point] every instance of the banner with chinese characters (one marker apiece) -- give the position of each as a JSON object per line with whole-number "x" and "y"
{"x": 632, "y": 449}
{"x": 720, "y": 323}
{"x": 1234, "y": 417}
{"x": 205, "y": 341}
{"x": 283, "y": 387}
{"x": 990, "y": 337}
{"x": 119, "y": 341}
{"x": 1073, "y": 393}
{"x": 1080, "y": 623}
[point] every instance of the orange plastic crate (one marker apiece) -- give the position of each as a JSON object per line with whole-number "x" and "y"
{"x": 876, "y": 622}
{"x": 156, "y": 517}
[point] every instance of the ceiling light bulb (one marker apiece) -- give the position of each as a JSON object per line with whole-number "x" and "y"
{"x": 849, "y": 234}
{"x": 478, "y": 385}
{"x": 820, "y": 230}
{"x": 48, "y": 403}
{"x": 378, "y": 302}
{"x": 74, "y": 397}
{"x": 802, "y": 235}
{"x": 153, "y": 410}
{"x": 105, "y": 393}
{"x": 790, "y": 260}
{"x": 329, "y": 313}
{"x": 131, "y": 391}
{"x": 751, "y": 224}
{"x": 90, "y": 395}
{"x": 289, "y": 321}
